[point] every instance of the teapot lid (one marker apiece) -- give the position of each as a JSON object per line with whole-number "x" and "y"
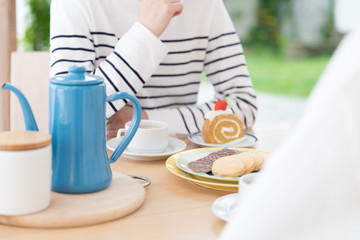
{"x": 23, "y": 140}
{"x": 76, "y": 76}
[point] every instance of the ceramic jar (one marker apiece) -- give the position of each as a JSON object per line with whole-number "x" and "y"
{"x": 25, "y": 172}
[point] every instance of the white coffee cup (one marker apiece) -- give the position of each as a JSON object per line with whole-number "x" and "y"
{"x": 151, "y": 137}
{"x": 245, "y": 183}
{"x": 25, "y": 172}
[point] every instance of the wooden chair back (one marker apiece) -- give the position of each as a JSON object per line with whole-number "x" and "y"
{"x": 30, "y": 73}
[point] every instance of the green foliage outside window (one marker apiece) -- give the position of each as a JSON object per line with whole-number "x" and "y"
{"x": 37, "y": 32}
{"x": 267, "y": 31}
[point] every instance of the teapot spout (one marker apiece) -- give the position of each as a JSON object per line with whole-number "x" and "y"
{"x": 30, "y": 122}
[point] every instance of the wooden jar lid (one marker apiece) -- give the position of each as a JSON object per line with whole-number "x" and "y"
{"x": 23, "y": 140}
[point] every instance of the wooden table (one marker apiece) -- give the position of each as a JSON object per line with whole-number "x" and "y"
{"x": 174, "y": 207}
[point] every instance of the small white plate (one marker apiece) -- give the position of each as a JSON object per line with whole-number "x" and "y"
{"x": 246, "y": 141}
{"x": 225, "y": 206}
{"x": 175, "y": 146}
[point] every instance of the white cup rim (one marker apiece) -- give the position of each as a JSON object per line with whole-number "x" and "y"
{"x": 148, "y": 122}
{"x": 148, "y": 140}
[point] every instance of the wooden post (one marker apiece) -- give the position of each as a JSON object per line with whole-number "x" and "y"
{"x": 8, "y": 44}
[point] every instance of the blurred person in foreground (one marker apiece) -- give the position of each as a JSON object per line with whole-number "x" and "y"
{"x": 156, "y": 50}
{"x": 310, "y": 186}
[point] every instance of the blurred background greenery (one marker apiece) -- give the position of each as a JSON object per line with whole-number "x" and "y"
{"x": 37, "y": 32}
{"x": 287, "y": 43}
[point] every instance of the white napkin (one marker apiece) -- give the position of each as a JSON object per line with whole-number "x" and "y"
{"x": 310, "y": 186}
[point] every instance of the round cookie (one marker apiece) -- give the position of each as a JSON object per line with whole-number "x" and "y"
{"x": 229, "y": 166}
{"x": 249, "y": 161}
{"x": 259, "y": 159}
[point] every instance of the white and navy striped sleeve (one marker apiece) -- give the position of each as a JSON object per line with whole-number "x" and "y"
{"x": 70, "y": 39}
{"x": 124, "y": 69}
{"x": 226, "y": 68}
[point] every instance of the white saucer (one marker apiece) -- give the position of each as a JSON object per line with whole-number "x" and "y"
{"x": 175, "y": 146}
{"x": 225, "y": 206}
{"x": 246, "y": 141}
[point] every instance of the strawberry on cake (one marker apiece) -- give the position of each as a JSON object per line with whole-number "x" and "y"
{"x": 221, "y": 125}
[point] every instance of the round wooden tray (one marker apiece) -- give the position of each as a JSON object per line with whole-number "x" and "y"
{"x": 123, "y": 196}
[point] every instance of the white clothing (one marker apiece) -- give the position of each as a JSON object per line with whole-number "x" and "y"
{"x": 310, "y": 186}
{"x": 164, "y": 73}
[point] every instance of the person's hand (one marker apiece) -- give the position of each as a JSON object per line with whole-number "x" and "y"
{"x": 119, "y": 119}
{"x": 155, "y": 15}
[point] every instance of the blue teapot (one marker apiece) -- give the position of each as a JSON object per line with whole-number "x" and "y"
{"x": 77, "y": 124}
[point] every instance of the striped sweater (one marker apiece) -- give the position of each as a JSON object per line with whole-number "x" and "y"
{"x": 164, "y": 73}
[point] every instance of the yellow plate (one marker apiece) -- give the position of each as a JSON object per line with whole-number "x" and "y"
{"x": 204, "y": 182}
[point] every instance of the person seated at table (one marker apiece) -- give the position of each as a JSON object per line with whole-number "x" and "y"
{"x": 310, "y": 186}
{"x": 138, "y": 47}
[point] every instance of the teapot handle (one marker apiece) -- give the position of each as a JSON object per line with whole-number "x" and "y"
{"x": 135, "y": 122}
